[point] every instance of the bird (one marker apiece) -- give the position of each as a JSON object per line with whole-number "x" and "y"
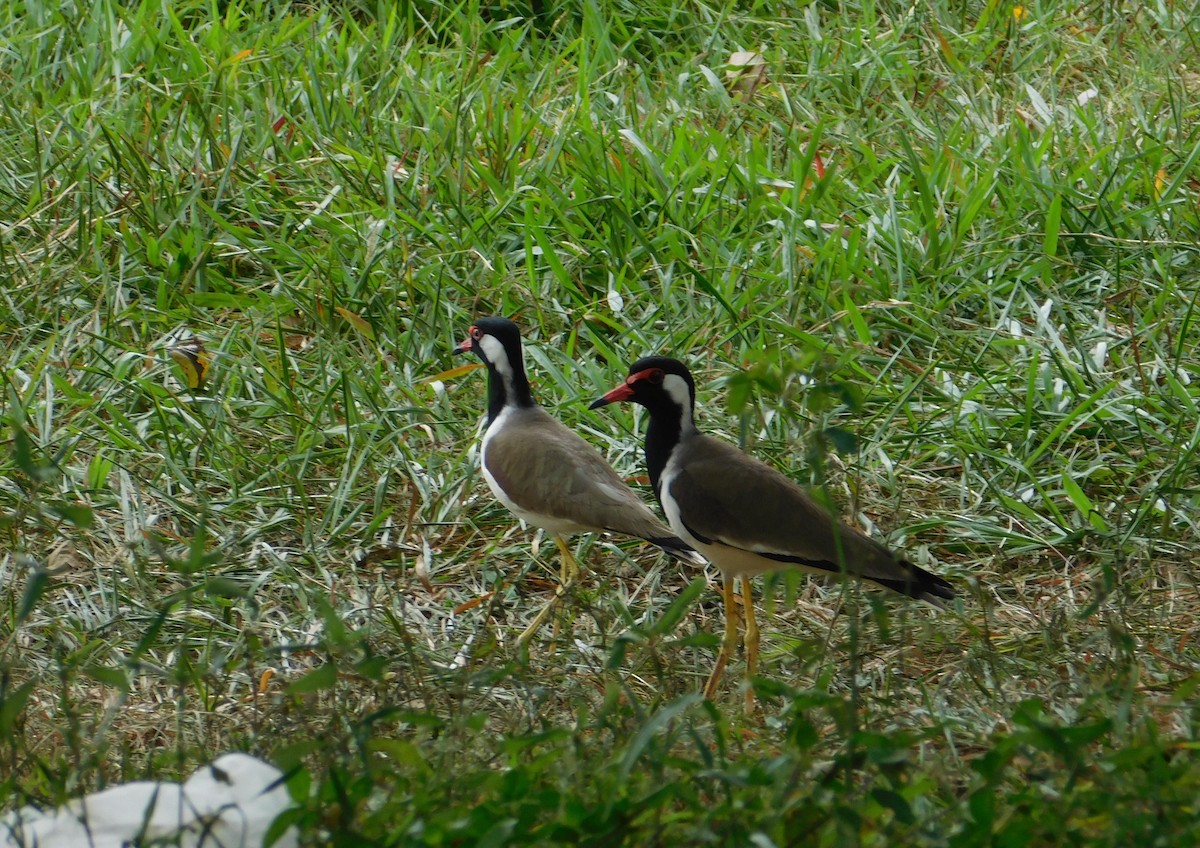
{"x": 746, "y": 517}
{"x": 545, "y": 473}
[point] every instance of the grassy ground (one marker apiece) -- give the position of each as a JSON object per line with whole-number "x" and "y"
{"x": 941, "y": 261}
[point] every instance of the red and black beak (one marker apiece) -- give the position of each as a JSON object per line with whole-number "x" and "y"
{"x": 465, "y": 346}
{"x": 620, "y": 393}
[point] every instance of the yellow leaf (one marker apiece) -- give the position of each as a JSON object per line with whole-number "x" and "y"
{"x": 1018, "y": 13}
{"x": 451, "y": 374}
{"x": 193, "y": 360}
{"x": 357, "y": 322}
{"x": 1160, "y": 180}
{"x": 236, "y": 58}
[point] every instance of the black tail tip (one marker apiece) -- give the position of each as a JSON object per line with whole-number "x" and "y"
{"x": 678, "y": 549}
{"x": 924, "y": 586}
{"x": 931, "y": 588}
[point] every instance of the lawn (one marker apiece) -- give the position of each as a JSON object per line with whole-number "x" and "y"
{"x": 940, "y": 262}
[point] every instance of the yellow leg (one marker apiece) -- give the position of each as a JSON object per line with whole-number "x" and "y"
{"x": 752, "y": 639}
{"x": 729, "y": 644}
{"x": 568, "y": 568}
{"x": 568, "y": 571}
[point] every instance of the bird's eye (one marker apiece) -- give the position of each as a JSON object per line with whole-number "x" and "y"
{"x": 656, "y": 376}
{"x": 476, "y": 333}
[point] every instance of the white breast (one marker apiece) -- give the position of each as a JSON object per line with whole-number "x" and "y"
{"x": 501, "y": 420}
{"x": 732, "y": 561}
{"x": 548, "y": 523}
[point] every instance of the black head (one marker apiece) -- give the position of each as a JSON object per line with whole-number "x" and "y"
{"x": 665, "y": 387}
{"x": 497, "y": 341}
{"x": 659, "y": 383}
{"x": 505, "y": 339}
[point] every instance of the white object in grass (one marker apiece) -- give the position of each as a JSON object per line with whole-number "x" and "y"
{"x": 229, "y": 803}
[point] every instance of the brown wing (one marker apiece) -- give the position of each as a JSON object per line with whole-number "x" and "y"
{"x": 729, "y": 498}
{"x": 547, "y": 469}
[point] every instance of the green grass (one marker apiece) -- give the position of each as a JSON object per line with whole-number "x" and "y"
{"x": 975, "y": 331}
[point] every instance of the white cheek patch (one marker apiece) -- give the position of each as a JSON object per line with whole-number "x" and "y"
{"x": 494, "y": 352}
{"x": 677, "y": 390}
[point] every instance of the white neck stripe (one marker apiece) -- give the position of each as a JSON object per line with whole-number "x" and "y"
{"x": 495, "y": 353}
{"x": 677, "y": 390}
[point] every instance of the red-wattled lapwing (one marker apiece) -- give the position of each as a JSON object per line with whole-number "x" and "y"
{"x": 745, "y": 516}
{"x": 546, "y": 474}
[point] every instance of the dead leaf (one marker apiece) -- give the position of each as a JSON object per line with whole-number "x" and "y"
{"x": 745, "y": 72}
{"x": 471, "y": 604}
{"x": 422, "y": 566}
{"x": 357, "y": 322}
{"x": 65, "y": 559}
{"x": 291, "y": 341}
